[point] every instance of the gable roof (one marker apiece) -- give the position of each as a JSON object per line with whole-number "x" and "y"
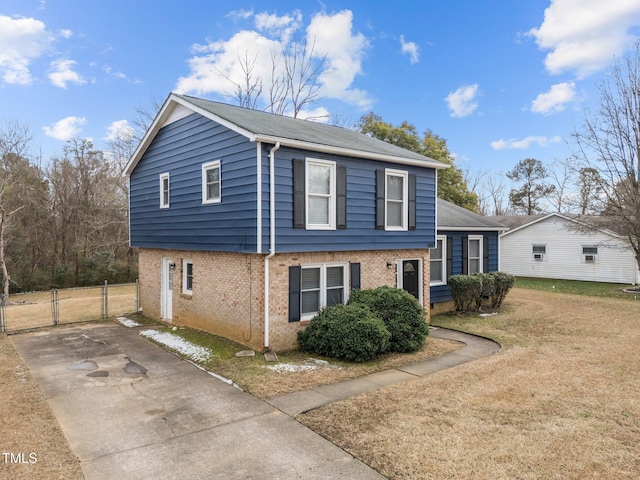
{"x": 454, "y": 217}
{"x": 519, "y": 222}
{"x": 269, "y": 128}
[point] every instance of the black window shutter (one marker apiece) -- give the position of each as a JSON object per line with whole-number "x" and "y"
{"x": 341, "y": 196}
{"x": 295, "y": 274}
{"x": 354, "y": 275}
{"x": 449, "y": 256}
{"x": 380, "y": 180}
{"x": 485, "y": 254}
{"x": 412, "y": 201}
{"x": 299, "y": 220}
{"x": 465, "y": 255}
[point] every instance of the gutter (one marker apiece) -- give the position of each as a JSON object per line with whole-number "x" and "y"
{"x": 272, "y": 240}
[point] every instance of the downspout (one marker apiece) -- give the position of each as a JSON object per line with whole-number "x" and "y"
{"x": 272, "y": 239}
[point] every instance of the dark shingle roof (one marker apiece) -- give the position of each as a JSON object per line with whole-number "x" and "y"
{"x": 279, "y": 126}
{"x": 454, "y": 217}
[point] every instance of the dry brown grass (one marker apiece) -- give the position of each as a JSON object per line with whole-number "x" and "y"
{"x": 562, "y": 400}
{"x": 27, "y": 425}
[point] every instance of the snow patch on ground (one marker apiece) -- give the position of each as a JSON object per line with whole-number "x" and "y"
{"x": 178, "y": 344}
{"x": 127, "y": 322}
{"x": 287, "y": 367}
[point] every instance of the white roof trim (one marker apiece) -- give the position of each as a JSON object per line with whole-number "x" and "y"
{"x": 470, "y": 229}
{"x": 166, "y": 112}
{"x": 569, "y": 219}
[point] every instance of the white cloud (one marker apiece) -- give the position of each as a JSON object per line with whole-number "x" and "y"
{"x": 344, "y": 52}
{"x": 217, "y": 66}
{"x": 513, "y": 144}
{"x": 411, "y": 49}
{"x": 462, "y": 102}
{"x": 61, "y": 73}
{"x": 555, "y": 99}
{"x": 21, "y": 41}
{"x": 66, "y": 128}
{"x": 240, "y": 14}
{"x": 118, "y": 129}
{"x": 584, "y": 35}
{"x": 66, "y": 33}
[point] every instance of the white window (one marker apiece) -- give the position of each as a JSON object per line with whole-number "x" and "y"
{"x": 321, "y": 286}
{"x": 320, "y": 194}
{"x": 438, "y": 265}
{"x": 164, "y": 190}
{"x": 538, "y": 252}
{"x": 187, "y": 277}
{"x": 396, "y": 205}
{"x": 211, "y": 184}
{"x": 589, "y": 254}
{"x": 475, "y": 254}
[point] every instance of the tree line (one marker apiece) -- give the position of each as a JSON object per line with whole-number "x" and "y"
{"x": 64, "y": 224}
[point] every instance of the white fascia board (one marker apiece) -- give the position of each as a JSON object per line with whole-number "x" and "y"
{"x": 471, "y": 229}
{"x": 316, "y": 147}
{"x": 568, "y": 219}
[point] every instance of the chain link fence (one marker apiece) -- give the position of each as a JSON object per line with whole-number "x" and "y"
{"x": 25, "y": 311}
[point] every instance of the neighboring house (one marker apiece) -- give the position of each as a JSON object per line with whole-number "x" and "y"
{"x": 560, "y": 246}
{"x": 466, "y": 243}
{"x": 249, "y": 223}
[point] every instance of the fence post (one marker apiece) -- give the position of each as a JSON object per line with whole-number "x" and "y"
{"x": 105, "y": 300}
{"x": 3, "y": 318}
{"x": 137, "y": 296}
{"x": 54, "y": 306}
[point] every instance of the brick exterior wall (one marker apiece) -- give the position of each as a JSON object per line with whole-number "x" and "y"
{"x": 228, "y": 289}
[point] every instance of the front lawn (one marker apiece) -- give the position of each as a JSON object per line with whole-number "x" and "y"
{"x": 593, "y": 289}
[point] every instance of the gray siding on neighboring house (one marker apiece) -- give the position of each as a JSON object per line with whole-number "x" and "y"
{"x": 360, "y": 233}
{"x": 180, "y": 149}
{"x": 455, "y": 259}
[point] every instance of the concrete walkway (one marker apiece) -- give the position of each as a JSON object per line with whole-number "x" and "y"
{"x": 475, "y": 348}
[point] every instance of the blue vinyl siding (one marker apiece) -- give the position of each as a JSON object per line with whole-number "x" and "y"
{"x": 441, "y": 293}
{"x": 180, "y": 149}
{"x": 360, "y": 233}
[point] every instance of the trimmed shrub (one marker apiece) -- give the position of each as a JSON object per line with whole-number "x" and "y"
{"x": 349, "y": 332}
{"x": 466, "y": 291}
{"x": 503, "y": 282}
{"x": 401, "y": 313}
{"x": 488, "y": 288}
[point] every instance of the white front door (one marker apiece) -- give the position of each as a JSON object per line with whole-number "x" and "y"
{"x": 166, "y": 289}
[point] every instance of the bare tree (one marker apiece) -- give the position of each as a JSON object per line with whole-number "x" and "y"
{"x": 562, "y": 178}
{"x": 496, "y": 189}
{"x": 609, "y": 143}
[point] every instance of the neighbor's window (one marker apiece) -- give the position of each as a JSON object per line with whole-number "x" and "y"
{"x": 589, "y": 254}
{"x": 396, "y": 199}
{"x": 321, "y": 286}
{"x": 437, "y": 262}
{"x": 538, "y": 252}
{"x": 164, "y": 190}
{"x": 475, "y": 254}
{"x": 211, "y": 182}
{"x": 321, "y": 194}
{"x": 187, "y": 277}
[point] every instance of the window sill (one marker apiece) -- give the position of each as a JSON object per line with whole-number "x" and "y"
{"x": 187, "y": 296}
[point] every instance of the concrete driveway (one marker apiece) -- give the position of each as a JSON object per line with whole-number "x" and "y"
{"x": 131, "y": 410}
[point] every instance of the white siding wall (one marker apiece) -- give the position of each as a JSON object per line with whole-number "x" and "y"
{"x": 563, "y": 258}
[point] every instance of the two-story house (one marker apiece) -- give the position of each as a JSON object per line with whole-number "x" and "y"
{"x": 248, "y": 223}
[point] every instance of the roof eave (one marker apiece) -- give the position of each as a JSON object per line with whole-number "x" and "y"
{"x": 317, "y": 147}
{"x": 471, "y": 229}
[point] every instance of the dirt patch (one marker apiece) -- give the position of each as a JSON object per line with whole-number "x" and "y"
{"x": 559, "y": 401}
{"x": 31, "y": 442}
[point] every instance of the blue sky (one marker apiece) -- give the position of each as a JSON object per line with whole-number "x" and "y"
{"x": 501, "y": 80}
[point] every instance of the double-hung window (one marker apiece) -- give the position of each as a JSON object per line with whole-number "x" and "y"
{"x": 321, "y": 286}
{"x": 396, "y": 204}
{"x": 437, "y": 266}
{"x": 164, "y": 190}
{"x": 475, "y": 254}
{"x": 211, "y": 183}
{"x": 320, "y": 194}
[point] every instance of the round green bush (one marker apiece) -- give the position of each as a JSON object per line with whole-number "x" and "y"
{"x": 401, "y": 313}
{"x": 347, "y": 332}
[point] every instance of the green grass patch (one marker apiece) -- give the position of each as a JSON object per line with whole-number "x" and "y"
{"x": 592, "y": 289}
